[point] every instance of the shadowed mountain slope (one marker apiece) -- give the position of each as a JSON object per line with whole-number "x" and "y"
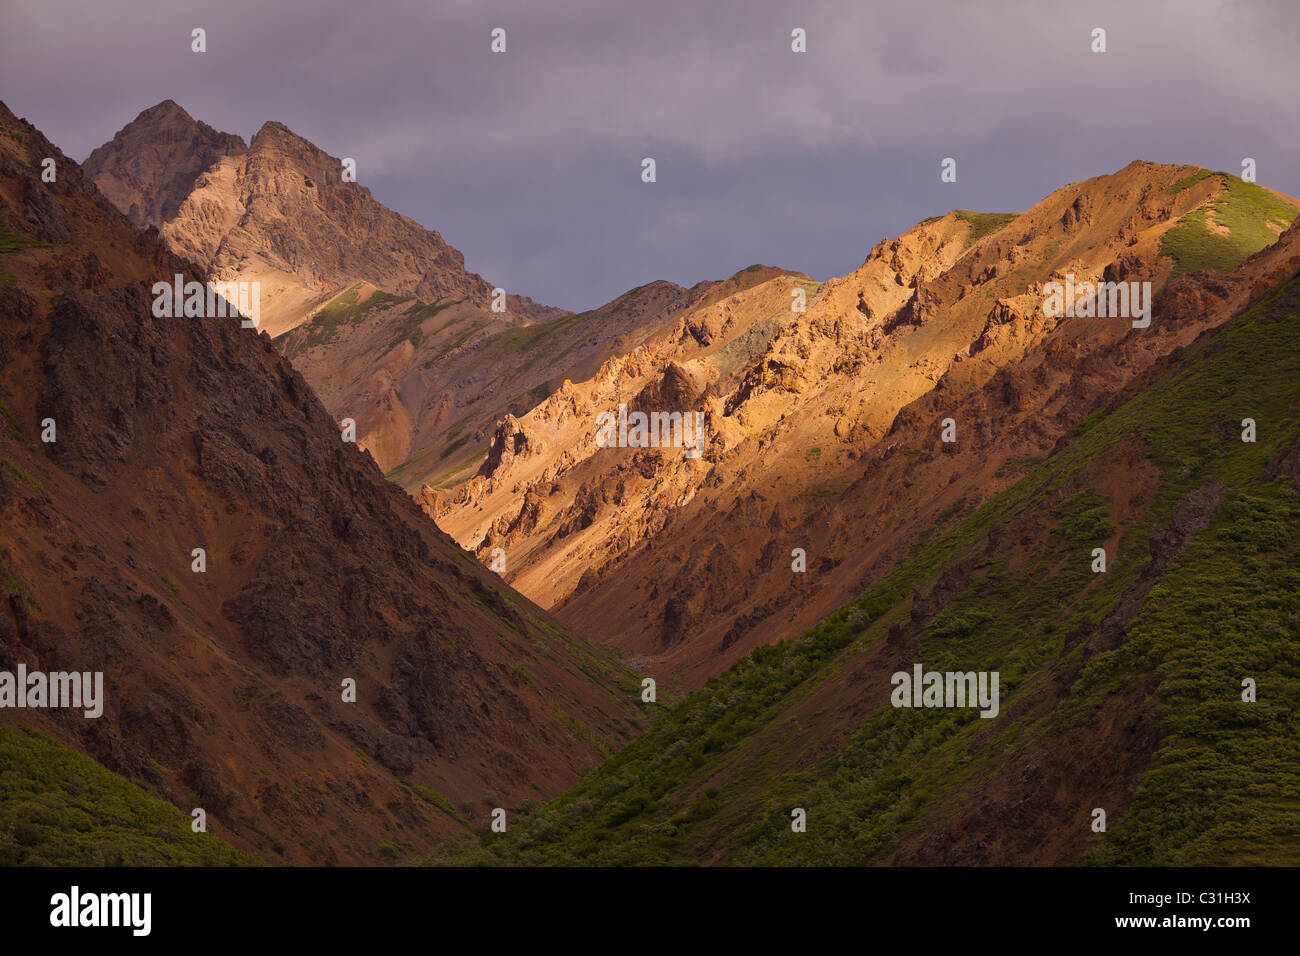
{"x": 225, "y": 689}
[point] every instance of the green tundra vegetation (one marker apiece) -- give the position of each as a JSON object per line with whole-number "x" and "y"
{"x": 1252, "y": 216}
{"x": 984, "y": 223}
{"x": 717, "y": 776}
{"x": 347, "y": 307}
{"x": 58, "y": 808}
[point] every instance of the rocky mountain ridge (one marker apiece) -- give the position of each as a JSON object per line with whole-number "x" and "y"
{"x": 825, "y": 428}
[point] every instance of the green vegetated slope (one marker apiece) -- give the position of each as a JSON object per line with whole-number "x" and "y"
{"x": 1120, "y": 690}
{"x": 985, "y": 223}
{"x": 1241, "y": 220}
{"x": 348, "y": 307}
{"x": 58, "y": 808}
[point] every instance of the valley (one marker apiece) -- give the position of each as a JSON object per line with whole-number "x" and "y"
{"x": 920, "y": 556}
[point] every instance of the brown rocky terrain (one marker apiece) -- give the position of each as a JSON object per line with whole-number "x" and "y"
{"x": 426, "y": 383}
{"x": 1121, "y": 736}
{"x": 823, "y": 437}
{"x": 824, "y": 427}
{"x": 280, "y": 213}
{"x": 223, "y": 688}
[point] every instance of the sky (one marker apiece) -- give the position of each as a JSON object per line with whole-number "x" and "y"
{"x": 530, "y": 161}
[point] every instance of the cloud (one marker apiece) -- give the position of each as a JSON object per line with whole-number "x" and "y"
{"x": 529, "y": 161}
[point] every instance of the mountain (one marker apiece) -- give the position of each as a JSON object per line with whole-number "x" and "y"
{"x": 378, "y": 313}
{"x": 1161, "y": 691}
{"x": 280, "y": 213}
{"x": 824, "y": 427}
{"x": 913, "y": 465}
{"x": 151, "y": 165}
{"x": 226, "y": 685}
{"x": 427, "y": 383}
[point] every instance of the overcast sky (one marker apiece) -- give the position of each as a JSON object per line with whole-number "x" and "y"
{"x": 530, "y": 161}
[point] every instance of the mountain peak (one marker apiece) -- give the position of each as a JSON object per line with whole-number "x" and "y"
{"x": 167, "y": 107}
{"x": 277, "y": 211}
{"x": 273, "y": 130}
{"x": 151, "y": 165}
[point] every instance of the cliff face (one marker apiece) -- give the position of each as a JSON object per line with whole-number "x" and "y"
{"x": 225, "y": 687}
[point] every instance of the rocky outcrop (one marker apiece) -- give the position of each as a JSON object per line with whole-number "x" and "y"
{"x": 510, "y": 441}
